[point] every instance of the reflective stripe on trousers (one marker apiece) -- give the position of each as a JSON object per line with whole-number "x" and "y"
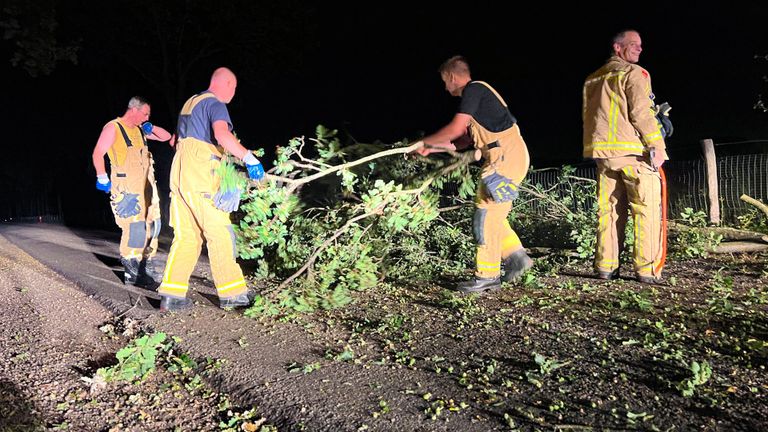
{"x": 194, "y": 218}
{"x": 628, "y": 183}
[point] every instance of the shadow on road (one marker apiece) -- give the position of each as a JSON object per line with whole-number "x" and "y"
{"x": 16, "y": 413}
{"x": 111, "y": 262}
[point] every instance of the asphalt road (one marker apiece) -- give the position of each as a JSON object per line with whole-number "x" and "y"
{"x": 91, "y": 260}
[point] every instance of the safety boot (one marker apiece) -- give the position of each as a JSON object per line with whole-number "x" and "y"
{"x": 608, "y": 275}
{"x": 651, "y": 280}
{"x": 131, "y": 272}
{"x": 148, "y": 274}
{"x": 516, "y": 265}
{"x": 168, "y": 304}
{"x": 240, "y": 300}
{"x": 478, "y": 284}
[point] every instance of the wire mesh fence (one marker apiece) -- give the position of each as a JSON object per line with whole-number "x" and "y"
{"x": 687, "y": 183}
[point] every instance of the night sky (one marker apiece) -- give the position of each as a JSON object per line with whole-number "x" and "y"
{"x": 370, "y": 71}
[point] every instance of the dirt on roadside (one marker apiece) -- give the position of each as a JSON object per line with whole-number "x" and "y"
{"x": 558, "y": 351}
{"x": 53, "y": 338}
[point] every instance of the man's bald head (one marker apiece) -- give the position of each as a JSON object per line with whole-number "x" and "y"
{"x": 223, "y": 84}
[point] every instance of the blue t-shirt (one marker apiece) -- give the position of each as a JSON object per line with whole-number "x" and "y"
{"x": 199, "y": 123}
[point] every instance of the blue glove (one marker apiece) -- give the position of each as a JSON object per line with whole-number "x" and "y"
{"x": 103, "y": 184}
{"x": 227, "y": 201}
{"x": 147, "y": 127}
{"x": 501, "y": 188}
{"x": 255, "y": 169}
{"x": 127, "y": 206}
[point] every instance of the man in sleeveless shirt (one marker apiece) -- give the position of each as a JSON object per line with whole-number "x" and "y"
{"x": 132, "y": 188}
{"x": 622, "y": 135}
{"x": 497, "y": 139}
{"x": 198, "y": 211}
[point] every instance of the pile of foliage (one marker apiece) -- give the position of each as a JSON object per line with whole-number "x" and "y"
{"x": 342, "y": 219}
{"x": 329, "y": 220}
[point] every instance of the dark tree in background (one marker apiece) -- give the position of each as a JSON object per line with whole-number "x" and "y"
{"x": 762, "y": 103}
{"x": 33, "y": 29}
{"x": 81, "y": 62}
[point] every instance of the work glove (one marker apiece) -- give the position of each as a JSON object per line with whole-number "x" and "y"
{"x": 102, "y": 183}
{"x": 662, "y": 116}
{"x": 501, "y": 188}
{"x": 227, "y": 201}
{"x": 127, "y": 206}
{"x": 255, "y": 169}
{"x": 147, "y": 127}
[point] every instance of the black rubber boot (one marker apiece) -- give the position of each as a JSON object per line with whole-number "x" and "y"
{"x": 651, "y": 280}
{"x": 131, "y": 273}
{"x": 605, "y": 275}
{"x": 516, "y": 265}
{"x": 478, "y": 284}
{"x": 168, "y": 304}
{"x": 148, "y": 274}
{"x": 241, "y": 300}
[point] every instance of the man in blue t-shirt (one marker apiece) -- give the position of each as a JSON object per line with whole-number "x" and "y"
{"x": 496, "y": 138}
{"x": 199, "y": 209}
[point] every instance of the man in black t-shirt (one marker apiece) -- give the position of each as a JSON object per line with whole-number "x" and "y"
{"x": 497, "y": 140}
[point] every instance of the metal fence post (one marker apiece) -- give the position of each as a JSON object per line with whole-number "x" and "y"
{"x": 708, "y": 146}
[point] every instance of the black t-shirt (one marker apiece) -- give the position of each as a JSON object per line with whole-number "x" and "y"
{"x": 482, "y": 104}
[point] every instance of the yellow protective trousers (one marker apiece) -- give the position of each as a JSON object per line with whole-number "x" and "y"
{"x": 136, "y": 175}
{"x": 628, "y": 183}
{"x": 496, "y": 240}
{"x": 194, "y": 218}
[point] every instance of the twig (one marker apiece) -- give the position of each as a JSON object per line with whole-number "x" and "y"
{"x": 138, "y": 300}
{"x": 325, "y": 244}
{"x": 296, "y": 182}
{"x": 563, "y": 208}
{"x": 451, "y": 208}
{"x": 301, "y": 165}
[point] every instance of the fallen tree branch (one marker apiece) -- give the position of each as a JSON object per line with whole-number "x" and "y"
{"x": 327, "y": 243}
{"x": 463, "y": 159}
{"x": 748, "y": 199}
{"x": 727, "y": 233}
{"x": 294, "y": 183}
{"x": 739, "y": 247}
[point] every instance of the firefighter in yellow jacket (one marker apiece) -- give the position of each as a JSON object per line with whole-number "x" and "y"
{"x": 132, "y": 188}
{"x": 497, "y": 139}
{"x": 622, "y": 135}
{"x": 199, "y": 209}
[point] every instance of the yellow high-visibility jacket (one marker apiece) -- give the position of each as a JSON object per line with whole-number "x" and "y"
{"x": 618, "y": 114}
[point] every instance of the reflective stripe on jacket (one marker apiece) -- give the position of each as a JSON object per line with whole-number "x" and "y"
{"x": 618, "y": 112}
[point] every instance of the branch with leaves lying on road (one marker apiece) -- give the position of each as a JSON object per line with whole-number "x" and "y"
{"x": 343, "y": 217}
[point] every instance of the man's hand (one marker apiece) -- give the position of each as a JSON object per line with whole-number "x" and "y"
{"x": 435, "y": 148}
{"x": 255, "y": 169}
{"x": 656, "y": 157}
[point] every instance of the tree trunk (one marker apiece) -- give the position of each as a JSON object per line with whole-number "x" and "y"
{"x": 739, "y": 247}
{"x": 727, "y": 233}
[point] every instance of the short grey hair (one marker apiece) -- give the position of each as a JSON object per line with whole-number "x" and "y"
{"x": 456, "y": 64}
{"x": 619, "y": 37}
{"x": 137, "y": 102}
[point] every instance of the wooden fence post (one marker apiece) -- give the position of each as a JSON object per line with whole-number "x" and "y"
{"x": 708, "y": 146}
